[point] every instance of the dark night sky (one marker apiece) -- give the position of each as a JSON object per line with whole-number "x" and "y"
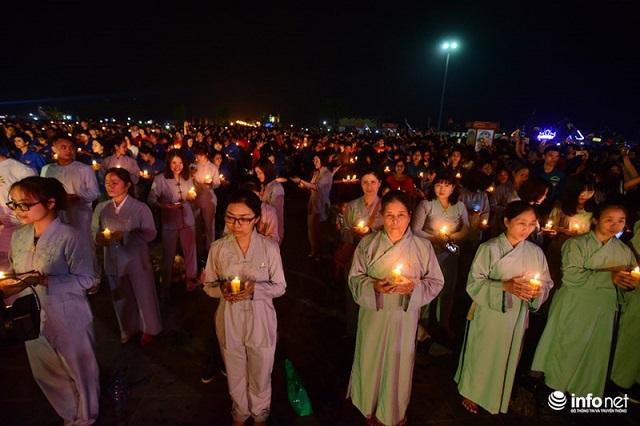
{"x": 378, "y": 59}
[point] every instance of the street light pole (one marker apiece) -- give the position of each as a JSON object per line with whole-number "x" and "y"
{"x": 447, "y": 47}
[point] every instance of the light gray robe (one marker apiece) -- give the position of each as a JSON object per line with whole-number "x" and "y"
{"x": 387, "y": 323}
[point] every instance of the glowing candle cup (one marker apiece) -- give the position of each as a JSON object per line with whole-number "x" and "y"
{"x": 106, "y": 233}
{"x": 235, "y": 285}
{"x": 443, "y": 232}
{"x": 362, "y": 227}
{"x": 636, "y": 272}
{"x": 535, "y": 282}
{"x": 396, "y": 274}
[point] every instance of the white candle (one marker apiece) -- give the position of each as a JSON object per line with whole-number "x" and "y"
{"x": 636, "y": 272}
{"x": 548, "y": 225}
{"x": 235, "y": 285}
{"x": 145, "y": 173}
{"x": 396, "y": 273}
{"x": 535, "y": 282}
{"x": 192, "y": 192}
{"x": 106, "y": 233}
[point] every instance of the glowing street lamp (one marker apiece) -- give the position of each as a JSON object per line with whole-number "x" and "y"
{"x": 448, "y": 47}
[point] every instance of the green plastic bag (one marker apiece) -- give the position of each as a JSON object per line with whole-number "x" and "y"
{"x": 298, "y": 397}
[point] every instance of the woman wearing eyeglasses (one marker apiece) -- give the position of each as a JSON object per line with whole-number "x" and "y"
{"x": 127, "y": 263}
{"x": 171, "y": 192}
{"x": 244, "y": 270}
{"x": 62, "y": 358}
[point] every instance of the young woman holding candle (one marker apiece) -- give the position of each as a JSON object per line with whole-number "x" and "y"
{"x": 443, "y": 219}
{"x": 272, "y": 191}
{"x": 382, "y": 371}
{"x": 171, "y": 192}
{"x": 318, "y": 206}
{"x": 573, "y": 352}
{"x": 499, "y": 284}
{"x": 246, "y": 322}
{"x": 127, "y": 263}
{"x": 571, "y": 216}
{"x": 506, "y": 193}
{"x": 399, "y": 179}
{"x": 62, "y": 358}
{"x": 206, "y": 179}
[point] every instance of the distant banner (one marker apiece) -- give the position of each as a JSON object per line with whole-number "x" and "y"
{"x": 489, "y": 125}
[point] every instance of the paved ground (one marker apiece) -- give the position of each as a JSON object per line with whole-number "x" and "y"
{"x": 163, "y": 378}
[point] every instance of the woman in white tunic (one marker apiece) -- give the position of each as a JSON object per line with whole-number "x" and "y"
{"x": 170, "y": 192}
{"x": 502, "y": 298}
{"x": 393, "y": 275}
{"x": 62, "y": 358}
{"x": 272, "y": 191}
{"x": 127, "y": 263}
{"x": 246, "y": 322}
{"x": 206, "y": 178}
{"x": 443, "y": 219}
{"x": 318, "y": 206}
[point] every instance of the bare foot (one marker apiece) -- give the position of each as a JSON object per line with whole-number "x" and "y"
{"x": 471, "y": 406}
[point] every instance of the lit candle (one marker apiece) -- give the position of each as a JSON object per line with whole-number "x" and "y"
{"x": 145, "y": 173}
{"x": 351, "y": 160}
{"x": 421, "y": 175}
{"x": 118, "y": 166}
{"x": 535, "y": 282}
{"x": 207, "y": 179}
{"x": 55, "y": 157}
{"x": 458, "y": 175}
{"x": 362, "y": 227}
{"x": 106, "y": 233}
{"x": 235, "y": 285}
{"x": 490, "y": 189}
{"x": 548, "y": 226}
{"x": 387, "y": 169}
{"x": 79, "y": 149}
{"x": 484, "y": 222}
{"x": 396, "y": 273}
{"x": 636, "y": 272}
{"x": 2, "y": 275}
{"x": 221, "y": 177}
{"x": 348, "y": 177}
{"x": 192, "y": 192}
{"x": 443, "y": 232}
{"x": 354, "y": 178}
{"x": 576, "y": 228}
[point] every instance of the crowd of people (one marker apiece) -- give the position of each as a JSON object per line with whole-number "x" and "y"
{"x": 403, "y": 219}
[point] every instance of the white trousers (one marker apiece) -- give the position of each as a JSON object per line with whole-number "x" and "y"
{"x": 187, "y": 239}
{"x": 68, "y": 373}
{"x": 136, "y": 303}
{"x": 249, "y": 380}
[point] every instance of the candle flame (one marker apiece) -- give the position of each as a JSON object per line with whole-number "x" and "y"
{"x": 536, "y": 276}
{"x": 399, "y": 267}
{"x": 637, "y": 269}
{"x": 444, "y": 229}
{"x": 361, "y": 224}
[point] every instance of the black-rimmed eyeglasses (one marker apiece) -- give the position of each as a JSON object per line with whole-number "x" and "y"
{"x": 23, "y": 207}
{"x": 241, "y": 220}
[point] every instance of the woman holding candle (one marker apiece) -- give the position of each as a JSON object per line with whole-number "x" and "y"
{"x": 508, "y": 278}
{"x": 272, "y": 191}
{"x": 119, "y": 158}
{"x": 571, "y": 216}
{"x": 246, "y": 322}
{"x": 206, "y": 179}
{"x": 573, "y": 352}
{"x": 399, "y": 179}
{"x": 62, "y": 358}
{"x": 362, "y": 216}
{"x": 444, "y": 221}
{"x": 382, "y": 371}
{"x": 625, "y": 370}
{"x": 318, "y": 206}
{"x": 170, "y": 192}
{"x": 124, "y": 226}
